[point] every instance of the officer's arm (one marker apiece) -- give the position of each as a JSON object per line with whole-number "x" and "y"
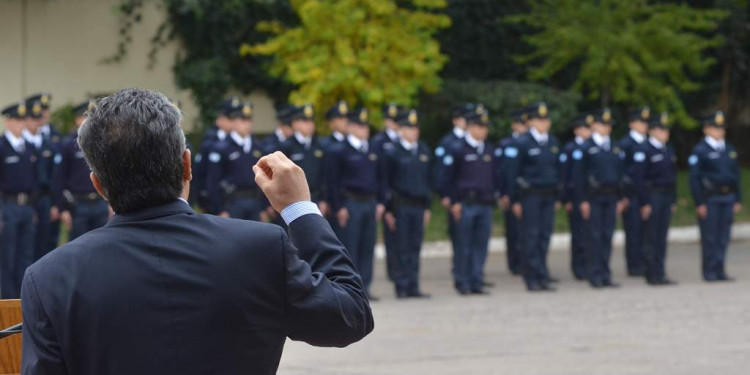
{"x": 41, "y": 348}
{"x": 326, "y": 301}
{"x": 696, "y": 176}
{"x": 450, "y": 171}
{"x": 214, "y": 173}
{"x": 381, "y": 178}
{"x": 513, "y": 155}
{"x": 639, "y": 170}
{"x": 497, "y": 170}
{"x": 580, "y": 170}
{"x": 438, "y": 175}
{"x": 562, "y": 165}
{"x": 333, "y": 169}
{"x": 386, "y": 167}
{"x": 59, "y": 177}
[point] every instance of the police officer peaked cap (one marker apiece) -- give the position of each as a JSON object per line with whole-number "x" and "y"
{"x": 642, "y": 114}
{"x": 659, "y": 122}
{"x": 391, "y": 111}
{"x": 718, "y": 120}
{"x": 408, "y": 118}
{"x": 538, "y": 110}
{"x": 44, "y": 99}
{"x": 359, "y": 116}
{"x": 15, "y": 110}
{"x": 302, "y": 112}
{"x": 604, "y": 116}
{"x": 338, "y": 110}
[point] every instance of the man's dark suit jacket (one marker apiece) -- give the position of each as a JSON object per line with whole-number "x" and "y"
{"x": 169, "y": 291}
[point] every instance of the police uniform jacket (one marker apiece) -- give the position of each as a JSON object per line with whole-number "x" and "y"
{"x": 72, "y": 173}
{"x": 229, "y": 170}
{"x": 714, "y": 172}
{"x": 407, "y": 176}
{"x": 469, "y": 174}
{"x": 655, "y": 169}
{"x": 312, "y": 160}
{"x": 532, "y": 167}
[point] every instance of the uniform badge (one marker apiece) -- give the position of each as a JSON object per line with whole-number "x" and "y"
{"x": 343, "y": 109}
{"x": 439, "y": 152}
{"x": 373, "y": 157}
{"x": 487, "y": 158}
{"x": 424, "y": 158}
{"x": 639, "y": 157}
{"x": 247, "y": 110}
{"x": 448, "y": 160}
{"x": 577, "y": 155}
{"x": 55, "y": 139}
{"x": 308, "y": 111}
{"x": 318, "y": 153}
{"x": 58, "y": 159}
{"x": 257, "y": 154}
{"x": 46, "y": 153}
{"x": 555, "y": 150}
{"x": 511, "y": 152}
{"x": 214, "y": 157}
{"x": 733, "y": 155}
{"x": 563, "y": 158}
{"x": 498, "y": 152}
{"x": 616, "y": 150}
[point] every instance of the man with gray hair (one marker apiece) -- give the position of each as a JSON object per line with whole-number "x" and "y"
{"x": 161, "y": 289}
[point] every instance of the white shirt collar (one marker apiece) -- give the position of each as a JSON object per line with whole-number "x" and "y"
{"x": 580, "y": 140}
{"x": 600, "y": 139}
{"x": 16, "y": 142}
{"x": 638, "y": 137}
{"x": 539, "y": 137}
{"x": 515, "y": 135}
{"x": 45, "y": 129}
{"x": 715, "y": 143}
{"x": 474, "y": 143}
{"x": 655, "y": 142}
{"x": 36, "y": 140}
{"x": 279, "y": 135}
{"x": 391, "y": 134}
{"x": 458, "y": 132}
{"x": 409, "y": 146}
{"x": 302, "y": 139}
{"x": 356, "y": 142}
{"x": 183, "y": 199}
{"x": 246, "y": 143}
{"x": 338, "y": 135}
{"x": 221, "y": 134}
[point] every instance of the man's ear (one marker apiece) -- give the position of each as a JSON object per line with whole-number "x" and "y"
{"x": 187, "y": 166}
{"x": 97, "y": 185}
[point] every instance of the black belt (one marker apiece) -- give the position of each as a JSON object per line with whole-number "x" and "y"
{"x": 661, "y": 189}
{"x": 245, "y": 193}
{"x": 358, "y": 197}
{"x": 90, "y": 197}
{"x": 606, "y": 190}
{"x": 473, "y": 197}
{"x": 403, "y": 200}
{"x": 21, "y": 199}
{"x": 547, "y": 191}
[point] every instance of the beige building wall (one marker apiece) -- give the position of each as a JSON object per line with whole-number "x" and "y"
{"x": 65, "y": 41}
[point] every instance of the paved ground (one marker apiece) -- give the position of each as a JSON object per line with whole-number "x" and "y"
{"x": 691, "y": 328}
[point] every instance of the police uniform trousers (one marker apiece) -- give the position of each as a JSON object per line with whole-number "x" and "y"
{"x": 359, "y": 236}
{"x": 634, "y": 238}
{"x": 578, "y": 243}
{"x": 513, "y": 242}
{"x": 17, "y": 247}
{"x": 47, "y": 232}
{"x": 715, "y": 234}
{"x": 472, "y": 237}
{"x": 537, "y": 223}
{"x": 454, "y": 240}
{"x": 408, "y": 245}
{"x": 87, "y": 216}
{"x": 601, "y": 228}
{"x": 657, "y": 229}
{"x": 246, "y": 208}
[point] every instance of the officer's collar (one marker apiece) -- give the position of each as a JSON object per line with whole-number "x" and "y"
{"x": 392, "y": 135}
{"x": 656, "y": 143}
{"x": 338, "y": 135}
{"x": 279, "y": 135}
{"x": 14, "y": 141}
{"x": 458, "y": 132}
{"x": 175, "y": 207}
{"x": 221, "y": 134}
{"x": 637, "y": 137}
{"x": 579, "y": 140}
{"x": 715, "y": 143}
{"x": 247, "y": 140}
{"x": 408, "y": 146}
{"x": 356, "y": 142}
{"x": 539, "y": 137}
{"x": 473, "y": 142}
{"x": 35, "y": 139}
{"x": 302, "y": 139}
{"x": 599, "y": 139}
{"x": 45, "y": 129}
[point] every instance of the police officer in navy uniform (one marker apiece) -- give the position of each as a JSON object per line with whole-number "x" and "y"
{"x": 570, "y": 158}
{"x": 49, "y": 132}
{"x": 635, "y": 260}
{"x": 223, "y": 125}
{"x": 715, "y": 186}
{"x": 512, "y": 224}
{"x": 337, "y": 117}
{"x": 384, "y": 142}
{"x": 304, "y": 148}
{"x": 472, "y": 191}
{"x": 655, "y": 180}
{"x": 354, "y": 190}
{"x": 231, "y": 182}
{"x": 48, "y": 224}
{"x": 600, "y": 196}
{"x": 81, "y": 208}
{"x": 407, "y": 180}
{"x": 283, "y": 130}
{"x": 18, "y": 185}
{"x": 533, "y": 181}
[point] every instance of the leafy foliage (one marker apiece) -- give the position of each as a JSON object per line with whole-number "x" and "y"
{"x": 627, "y": 51}
{"x": 364, "y": 51}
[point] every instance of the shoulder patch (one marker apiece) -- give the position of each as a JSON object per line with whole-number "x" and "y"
{"x": 58, "y": 159}
{"x": 563, "y": 157}
{"x": 214, "y": 157}
{"x": 448, "y": 160}
{"x": 639, "y": 157}
{"x": 693, "y": 160}
{"x": 511, "y": 152}
{"x": 439, "y": 152}
{"x": 733, "y": 155}
{"x": 499, "y": 152}
{"x": 577, "y": 155}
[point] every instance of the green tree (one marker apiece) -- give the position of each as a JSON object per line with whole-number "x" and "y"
{"x": 363, "y": 51}
{"x": 628, "y": 52}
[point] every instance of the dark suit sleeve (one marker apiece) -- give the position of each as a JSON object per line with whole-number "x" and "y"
{"x": 41, "y": 350}
{"x": 326, "y": 302}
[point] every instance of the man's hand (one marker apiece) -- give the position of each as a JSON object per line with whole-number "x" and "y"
{"x": 585, "y": 210}
{"x": 456, "y": 211}
{"x": 323, "y": 207}
{"x": 111, "y": 212}
{"x": 54, "y": 213}
{"x": 427, "y": 217}
{"x": 518, "y": 210}
{"x": 504, "y": 202}
{"x": 67, "y": 220}
{"x": 622, "y": 205}
{"x": 557, "y": 206}
{"x": 446, "y": 203}
{"x": 282, "y": 181}
{"x": 224, "y": 214}
{"x": 379, "y": 211}
{"x": 342, "y": 216}
{"x": 390, "y": 221}
{"x": 264, "y": 217}
{"x": 737, "y": 207}
{"x": 646, "y": 212}
{"x": 702, "y": 211}
{"x": 569, "y": 207}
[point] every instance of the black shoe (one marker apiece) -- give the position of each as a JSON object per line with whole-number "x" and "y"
{"x": 551, "y": 280}
{"x": 480, "y": 292}
{"x": 597, "y": 284}
{"x": 487, "y": 284}
{"x": 515, "y": 272}
{"x": 637, "y": 273}
{"x": 711, "y": 279}
{"x": 725, "y": 278}
{"x": 610, "y": 284}
{"x": 579, "y": 277}
{"x": 402, "y": 295}
{"x": 540, "y": 287}
{"x": 663, "y": 282}
{"x": 463, "y": 292}
{"x": 372, "y": 298}
{"x": 418, "y": 294}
